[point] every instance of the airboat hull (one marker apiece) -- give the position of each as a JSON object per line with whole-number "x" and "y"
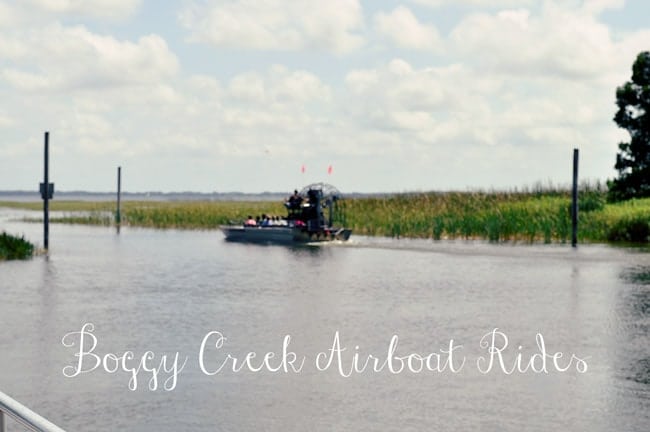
{"x": 283, "y": 235}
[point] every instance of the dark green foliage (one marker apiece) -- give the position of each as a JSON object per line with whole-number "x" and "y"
{"x": 14, "y": 247}
{"x": 633, "y": 158}
{"x": 632, "y": 229}
{"x": 591, "y": 202}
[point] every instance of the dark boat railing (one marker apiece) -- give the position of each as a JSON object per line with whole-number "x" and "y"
{"x": 23, "y": 415}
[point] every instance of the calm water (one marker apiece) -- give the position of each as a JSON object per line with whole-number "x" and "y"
{"x": 163, "y": 291}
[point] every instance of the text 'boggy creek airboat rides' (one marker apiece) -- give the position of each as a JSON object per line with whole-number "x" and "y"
{"x": 311, "y": 215}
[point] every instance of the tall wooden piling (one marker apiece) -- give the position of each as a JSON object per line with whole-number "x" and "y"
{"x": 46, "y": 194}
{"x": 574, "y": 200}
{"x": 118, "y": 217}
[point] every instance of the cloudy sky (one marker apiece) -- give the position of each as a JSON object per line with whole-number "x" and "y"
{"x": 238, "y": 95}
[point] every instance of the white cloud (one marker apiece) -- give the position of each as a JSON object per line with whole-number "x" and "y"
{"x": 403, "y": 28}
{"x": 508, "y": 94}
{"x": 248, "y": 88}
{"x": 7, "y": 15}
{"x": 598, "y": 6}
{"x": 482, "y": 125}
{"x": 280, "y": 86}
{"x": 110, "y": 9}
{"x": 58, "y": 58}
{"x": 399, "y": 96}
{"x": 284, "y": 106}
{"x": 297, "y": 86}
{"x": 276, "y": 25}
{"x": 492, "y": 4}
{"x": 5, "y": 120}
{"x": 98, "y": 94}
{"x": 560, "y": 42}
{"x": 26, "y": 80}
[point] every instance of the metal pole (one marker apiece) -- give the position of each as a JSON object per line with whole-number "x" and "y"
{"x": 46, "y": 198}
{"x": 574, "y": 201}
{"x": 118, "y": 217}
{"x": 2, "y": 422}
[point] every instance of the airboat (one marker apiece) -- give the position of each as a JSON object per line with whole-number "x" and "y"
{"x": 313, "y": 215}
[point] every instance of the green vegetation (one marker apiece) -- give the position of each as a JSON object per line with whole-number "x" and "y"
{"x": 500, "y": 216}
{"x": 157, "y": 214}
{"x": 529, "y": 216}
{"x": 93, "y": 218}
{"x": 196, "y": 214}
{"x": 14, "y": 247}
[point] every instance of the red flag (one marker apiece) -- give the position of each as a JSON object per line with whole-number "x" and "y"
{"x": 329, "y": 169}
{"x": 302, "y": 168}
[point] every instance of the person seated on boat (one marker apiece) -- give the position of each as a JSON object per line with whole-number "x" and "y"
{"x": 266, "y": 221}
{"x": 250, "y": 221}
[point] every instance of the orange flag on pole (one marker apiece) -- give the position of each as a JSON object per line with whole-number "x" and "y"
{"x": 329, "y": 169}
{"x": 302, "y": 168}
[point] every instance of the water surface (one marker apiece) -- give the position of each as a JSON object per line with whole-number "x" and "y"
{"x": 165, "y": 290}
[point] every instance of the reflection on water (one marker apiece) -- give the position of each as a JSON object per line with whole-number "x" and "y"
{"x": 641, "y": 371}
{"x": 164, "y": 290}
{"x": 635, "y": 304}
{"x": 637, "y": 275}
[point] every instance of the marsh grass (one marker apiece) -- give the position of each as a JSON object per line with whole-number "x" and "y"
{"x": 538, "y": 214}
{"x": 157, "y": 214}
{"x": 193, "y": 215}
{"x": 93, "y": 218}
{"x": 12, "y": 247}
{"x": 500, "y": 216}
{"x": 493, "y": 216}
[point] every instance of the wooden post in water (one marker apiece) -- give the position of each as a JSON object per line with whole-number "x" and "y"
{"x": 118, "y": 218}
{"x": 45, "y": 193}
{"x": 574, "y": 200}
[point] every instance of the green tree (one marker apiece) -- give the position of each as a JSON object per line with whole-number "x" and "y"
{"x": 633, "y": 158}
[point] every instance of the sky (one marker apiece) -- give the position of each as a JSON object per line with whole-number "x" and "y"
{"x": 240, "y": 95}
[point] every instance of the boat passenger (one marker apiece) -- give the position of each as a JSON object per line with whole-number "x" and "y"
{"x": 250, "y": 221}
{"x": 266, "y": 221}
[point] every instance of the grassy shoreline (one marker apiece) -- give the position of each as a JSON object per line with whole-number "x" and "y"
{"x": 501, "y": 217}
{"x": 495, "y": 216}
{"x": 12, "y": 248}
